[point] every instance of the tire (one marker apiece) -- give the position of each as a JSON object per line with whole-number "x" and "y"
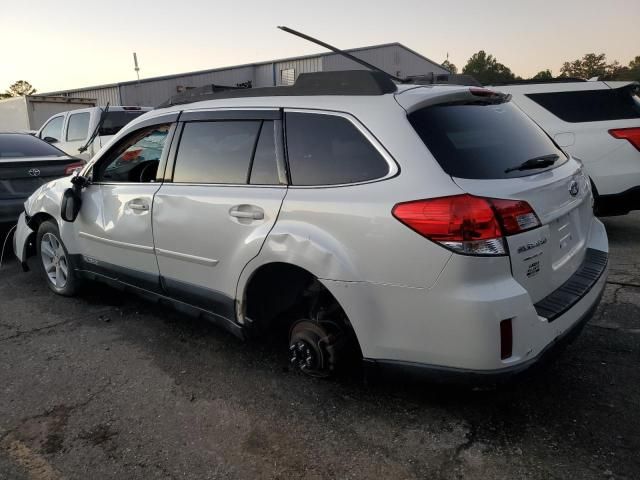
{"x": 54, "y": 261}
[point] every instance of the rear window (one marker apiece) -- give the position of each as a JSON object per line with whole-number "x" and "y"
{"x": 592, "y": 105}
{"x": 18, "y": 146}
{"x": 481, "y": 140}
{"x": 115, "y": 120}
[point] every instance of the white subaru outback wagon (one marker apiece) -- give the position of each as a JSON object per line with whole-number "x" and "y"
{"x": 427, "y": 228}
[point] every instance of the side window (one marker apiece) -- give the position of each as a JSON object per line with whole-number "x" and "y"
{"x": 78, "y": 126}
{"x": 264, "y": 168}
{"x": 216, "y": 152}
{"x": 590, "y": 105}
{"x": 53, "y": 129}
{"x": 330, "y": 150}
{"x": 135, "y": 159}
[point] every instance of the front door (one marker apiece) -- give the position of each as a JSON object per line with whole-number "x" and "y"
{"x": 114, "y": 225}
{"x": 211, "y": 219}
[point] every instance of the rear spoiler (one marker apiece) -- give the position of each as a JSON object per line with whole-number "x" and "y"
{"x": 473, "y": 94}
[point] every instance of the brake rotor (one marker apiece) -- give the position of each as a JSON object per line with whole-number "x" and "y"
{"x": 314, "y": 347}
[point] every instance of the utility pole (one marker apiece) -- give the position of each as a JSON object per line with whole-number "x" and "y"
{"x": 135, "y": 65}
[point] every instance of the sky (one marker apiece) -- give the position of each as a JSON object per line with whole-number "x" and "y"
{"x": 72, "y": 43}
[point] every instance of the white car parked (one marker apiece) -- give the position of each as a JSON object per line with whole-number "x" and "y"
{"x": 87, "y": 127}
{"x": 435, "y": 228}
{"x": 597, "y": 122}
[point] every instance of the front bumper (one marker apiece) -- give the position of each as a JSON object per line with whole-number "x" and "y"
{"x": 21, "y": 239}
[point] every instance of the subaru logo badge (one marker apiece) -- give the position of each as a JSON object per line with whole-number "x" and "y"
{"x": 34, "y": 172}
{"x": 574, "y": 188}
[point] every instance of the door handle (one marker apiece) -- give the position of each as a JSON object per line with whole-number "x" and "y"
{"x": 139, "y": 206}
{"x": 254, "y": 214}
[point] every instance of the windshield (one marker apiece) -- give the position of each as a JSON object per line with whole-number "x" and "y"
{"x": 17, "y": 145}
{"x": 115, "y": 120}
{"x": 483, "y": 141}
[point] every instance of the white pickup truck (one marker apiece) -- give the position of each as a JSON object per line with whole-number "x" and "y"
{"x": 81, "y": 133}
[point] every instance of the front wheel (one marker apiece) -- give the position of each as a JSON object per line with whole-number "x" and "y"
{"x": 54, "y": 260}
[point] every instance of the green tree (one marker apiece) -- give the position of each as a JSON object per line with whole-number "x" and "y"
{"x": 449, "y": 66}
{"x": 487, "y": 70}
{"x": 589, "y": 66}
{"x": 19, "y": 89}
{"x": 543, "y": 75}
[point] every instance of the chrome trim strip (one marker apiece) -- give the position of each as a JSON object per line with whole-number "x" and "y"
{"x": 116, "y": 243}
{"x": 209, "y": 262}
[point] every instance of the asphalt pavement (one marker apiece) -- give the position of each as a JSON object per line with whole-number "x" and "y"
{"x": 107, "y": 386}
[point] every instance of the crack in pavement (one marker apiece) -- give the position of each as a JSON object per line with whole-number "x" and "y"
{"x": 22, "y": 333}
{"x": 624, "y": 284}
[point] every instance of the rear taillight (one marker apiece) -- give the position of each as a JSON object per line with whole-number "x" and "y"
{"x": 630, "y": 134}
{"x": 468, "y": 224}
{"x": 73, "y": 167}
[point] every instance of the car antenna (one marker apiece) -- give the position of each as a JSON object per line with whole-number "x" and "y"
{"x": 341, "y": 52}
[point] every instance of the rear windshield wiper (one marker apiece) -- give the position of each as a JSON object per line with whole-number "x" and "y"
{"x": 533, "y": 163}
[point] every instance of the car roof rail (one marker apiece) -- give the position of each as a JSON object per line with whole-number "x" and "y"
{"x": 344, "y": 82}
{"x": 540, "y": 81}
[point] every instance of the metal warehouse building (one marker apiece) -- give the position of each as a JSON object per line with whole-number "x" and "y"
{"x": 394, "y": 58}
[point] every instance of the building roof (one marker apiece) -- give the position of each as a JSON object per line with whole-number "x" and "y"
{"x": 254, "y": 64}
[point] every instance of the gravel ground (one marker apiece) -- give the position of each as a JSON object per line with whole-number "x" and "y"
{"x": 106, "y": 386}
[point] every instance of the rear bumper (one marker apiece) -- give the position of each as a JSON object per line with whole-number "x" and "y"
{"x": 10, "y": 210}
{"x": 461, "y": 376}
{"x": 618, "y": 203}
{"x": 453, "y": 327}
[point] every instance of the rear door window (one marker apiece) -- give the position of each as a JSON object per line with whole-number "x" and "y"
{"x": 591, "y": 105}
{"x": 216, "y": 152}
{"x": 78, "y": 126}
{"x": 482, "y": 141}
{"x": 330, "y": 150}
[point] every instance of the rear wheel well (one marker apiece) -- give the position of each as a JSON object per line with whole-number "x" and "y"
{"x": 280, "y": 294}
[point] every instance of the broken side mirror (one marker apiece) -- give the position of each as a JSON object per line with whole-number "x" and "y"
{"x": 50, "y": 140}
{"x": 72, "y": 198}
{"x": 71, "y": 203}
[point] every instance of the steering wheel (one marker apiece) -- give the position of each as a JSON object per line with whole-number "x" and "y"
{"x": 148, "y": 171}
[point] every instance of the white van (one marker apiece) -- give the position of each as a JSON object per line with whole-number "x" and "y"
{"x": 87, "y": 129}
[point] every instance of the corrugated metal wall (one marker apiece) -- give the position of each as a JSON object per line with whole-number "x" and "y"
{"x": 155, "y": 92}
{"x": 302, "y": 65}
{"x": 392, "y": 59}
{"x": 263, "y": 75}
{"x": 100, "y": 95}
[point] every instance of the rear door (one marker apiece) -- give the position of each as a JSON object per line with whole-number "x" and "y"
{"x": 220, "y": 200}
{"x": 483, "y": 146}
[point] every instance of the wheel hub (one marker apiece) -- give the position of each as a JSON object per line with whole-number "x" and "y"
{"x": 314, "y": 348}
{"x": 303, "y": 355}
